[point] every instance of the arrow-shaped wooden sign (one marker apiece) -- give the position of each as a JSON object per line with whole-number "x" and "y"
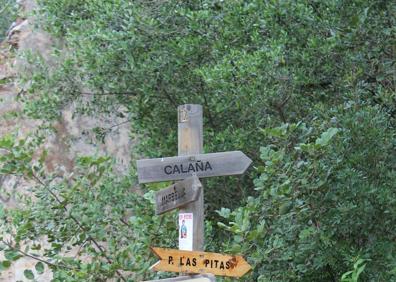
{"x": 177, "y": 195}
{"x": 202, "y": 165}
{"x": 200, "y": 262}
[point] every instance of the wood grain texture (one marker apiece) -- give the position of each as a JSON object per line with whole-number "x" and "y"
{"x": 190, "y": 142}
{"x": 203, "y": 165}
{"x": 200, "y": 262}
{"x": 177, "y": 195}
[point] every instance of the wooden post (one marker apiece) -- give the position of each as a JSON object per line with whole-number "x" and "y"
{"x": 190, "y": 142}
{"x": 191, "y": 163}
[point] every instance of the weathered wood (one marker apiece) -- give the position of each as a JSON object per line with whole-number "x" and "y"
{"x": 177, "y": 195}
{"x": 189, "y": 278}
{"x": 203, "y": 165}
{"x": 190, "y": 142}
{"x": 200, "y": 262}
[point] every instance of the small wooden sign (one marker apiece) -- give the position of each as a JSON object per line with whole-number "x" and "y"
{"x": 200, "y": 262}
{"x": 177, "y": 195}
{"x": 202, "y": 165}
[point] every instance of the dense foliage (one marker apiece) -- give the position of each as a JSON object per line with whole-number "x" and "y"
{"x": 8, "y": 11}
{"x": 305, "y": 88}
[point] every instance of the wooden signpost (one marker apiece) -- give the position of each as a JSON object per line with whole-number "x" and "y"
{"x": 178, "y": 194}
{"x": 200, "y": 262}
{"x": 203, "y": 165}
{"x": 190, "y": 165}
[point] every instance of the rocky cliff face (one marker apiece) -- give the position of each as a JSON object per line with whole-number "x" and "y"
{"x": 72, "y": 135}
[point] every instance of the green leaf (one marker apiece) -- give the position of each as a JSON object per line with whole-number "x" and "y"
{"x": 285, "y": 208}
{"x": 6, "y": 142}
{"x": 326, "y": 136}
{"x": 28, "y": 274}
{"x": 224, "y": 212}
{"x": 359, "y": 271}
{"x": 346, "y": 276}
{"x": 4, "y": 265}
{"x": 39, "y": 267}
{"x": 12, "y": 255}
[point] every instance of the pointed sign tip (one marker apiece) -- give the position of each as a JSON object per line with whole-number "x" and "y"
{"x": 246, "y": 269}
{"x": 156, "y": 251}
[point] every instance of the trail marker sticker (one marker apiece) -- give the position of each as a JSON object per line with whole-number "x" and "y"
{"x": 200, "y": 262}
{"x": 186, "y": 231}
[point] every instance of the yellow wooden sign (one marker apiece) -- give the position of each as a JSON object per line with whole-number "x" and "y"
{"x": 200, "y": 262}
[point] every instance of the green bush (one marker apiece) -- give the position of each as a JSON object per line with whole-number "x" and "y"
{"x": 8, "y": 11}
{"x": 88, "y": 213}
{"x": 305, "y": 88}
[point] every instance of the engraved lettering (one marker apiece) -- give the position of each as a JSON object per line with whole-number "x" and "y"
{"x": 206, "y": 262}
{"x": 168, "y": 169}
{"x": 176, "y": 169}
{"x": 184, "y": 171}
{"x": 191, "y": 168}
{"x": 199, "y": 166}
{"x": 187, "y": 168}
